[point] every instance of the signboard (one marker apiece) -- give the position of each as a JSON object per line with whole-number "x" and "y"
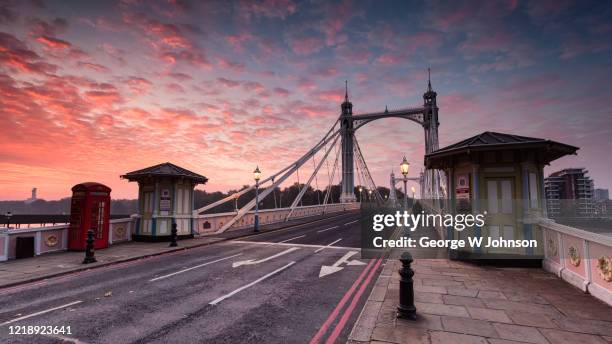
{"x": 462, "y": 188}
{"x": 164, "y": 200}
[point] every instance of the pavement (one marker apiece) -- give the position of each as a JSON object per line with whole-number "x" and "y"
{"x": 458, "y": 302}
{"x": 305, "y": 283}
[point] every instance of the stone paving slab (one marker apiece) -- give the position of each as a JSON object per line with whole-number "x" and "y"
{"x": 459, "y": 302}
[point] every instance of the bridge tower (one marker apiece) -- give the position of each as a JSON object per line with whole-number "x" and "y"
{"x": 426, "y": 116}
{"x": 431, "y": 177}
{"x": 346, "y": 135}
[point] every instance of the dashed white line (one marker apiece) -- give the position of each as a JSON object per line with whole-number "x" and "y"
{"x": 41, "y": 312}
{"x": 217, "y": 300}
{"x": 326, "y": 246}
{"x": 297, "y": 237}
{"x": 350, "y": 223}
{"x": 324, "y": 230}
{"x": 266, "y": 243}
{"x": 193, "y": 267}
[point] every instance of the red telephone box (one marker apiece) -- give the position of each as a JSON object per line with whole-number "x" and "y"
{"x": 90, "y": 209}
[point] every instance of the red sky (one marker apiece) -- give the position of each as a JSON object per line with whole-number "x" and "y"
{"x": 90, "y": 91}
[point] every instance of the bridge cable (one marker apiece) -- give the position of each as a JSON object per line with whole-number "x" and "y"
{"x": 284, "y": 174}
{"x": 331, "y": 180}
{"x": 314, "y": 166}
{"x": 307, "y": 184}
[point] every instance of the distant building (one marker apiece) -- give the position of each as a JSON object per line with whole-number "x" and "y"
{"x": 602, "y": 202}
{"x": 33, "y": 198}
{"x": 569, "y": 193}
{"x": 601, "y": 195}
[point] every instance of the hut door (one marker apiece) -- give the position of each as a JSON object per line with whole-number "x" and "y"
{"x": 500, "y": 208}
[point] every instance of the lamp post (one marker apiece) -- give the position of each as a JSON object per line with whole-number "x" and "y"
{"x": 360, "y": 194}
{"x": 370, "y": 195}
{"x": 413, "y": 191}
{"x": 404, "y": 166}
{"x": 256, "y": 176}
{"x": 8, "y": 219}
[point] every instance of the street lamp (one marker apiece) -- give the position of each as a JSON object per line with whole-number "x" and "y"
{"x": 404, "y": 166}
{"x": 413, "y": 191}
{"x": 360, "y": 194}
{"x": 8, "y": 219}
{"x": 370, "y": 195}
{"x": 256, "y": 176}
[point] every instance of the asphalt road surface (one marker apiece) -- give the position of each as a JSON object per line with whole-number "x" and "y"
{"x": 304, "y": 284}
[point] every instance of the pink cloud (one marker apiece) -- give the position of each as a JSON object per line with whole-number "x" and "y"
{"x": 53, "y": 43}
{"x": 306, "y": 45}
{"x": 281, "y": 92}
{"x": 268, "y": 8}
{"x": 390, "y": 59}
{"x": 93, "y": 66}
{"x": 228, "y": 82}
{"x": 231, "y": 65}
{"x": 138, "y": 85}
{"x": 15, "y": 55}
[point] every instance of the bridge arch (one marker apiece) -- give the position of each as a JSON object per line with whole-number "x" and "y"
{"x": 426, "y": 116}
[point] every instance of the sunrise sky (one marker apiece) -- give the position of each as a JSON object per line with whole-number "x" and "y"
{"x": 91, "y": 90}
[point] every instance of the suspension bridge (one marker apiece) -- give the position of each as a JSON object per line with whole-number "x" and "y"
{"x": 339, "y": 146}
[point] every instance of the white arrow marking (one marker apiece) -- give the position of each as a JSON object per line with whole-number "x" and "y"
{"x": 252, "y": 261}
{"x": 328, "y": 270}
{"x": 355, "y": 262}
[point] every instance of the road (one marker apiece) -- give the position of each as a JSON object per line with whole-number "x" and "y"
{"x": 266, "y": 288}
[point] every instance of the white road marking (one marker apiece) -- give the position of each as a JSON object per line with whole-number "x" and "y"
{"x": 326, "y": 246}
{"x": 297, "y": 237}
{"x": 253, "y": 261}
{"x": 41, "y": 312}
{"x": 296, "y": 226}
{"x": 216, "y": 301}
{"x": 328, "y": 270}
{"x": 350, "y": 223}
{"x": 193, "y": 267}
{"x": 324, "y": 230}
{"x": 266, "y": 243}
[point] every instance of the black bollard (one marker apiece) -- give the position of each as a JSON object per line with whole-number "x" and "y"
{"x": 173, "y": 236}
{"x": 89, "y": 250}
{"x": 406, "y": 308}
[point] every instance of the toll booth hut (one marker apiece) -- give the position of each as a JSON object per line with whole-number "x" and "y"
{"x": 502, "y": 175}
{"x": 165, "y": 196}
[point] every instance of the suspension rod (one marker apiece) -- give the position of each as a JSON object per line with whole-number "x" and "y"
{"x": 331, "y": 179}
{"x": 312, "y": 176}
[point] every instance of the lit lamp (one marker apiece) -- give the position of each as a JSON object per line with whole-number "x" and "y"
{"x": 370, "y": 195}
{"x": 404, "y": 166}
{"x": 413, "y": 191}
{"x": 256, "y": 176}
{"x": 360, "y": 194}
